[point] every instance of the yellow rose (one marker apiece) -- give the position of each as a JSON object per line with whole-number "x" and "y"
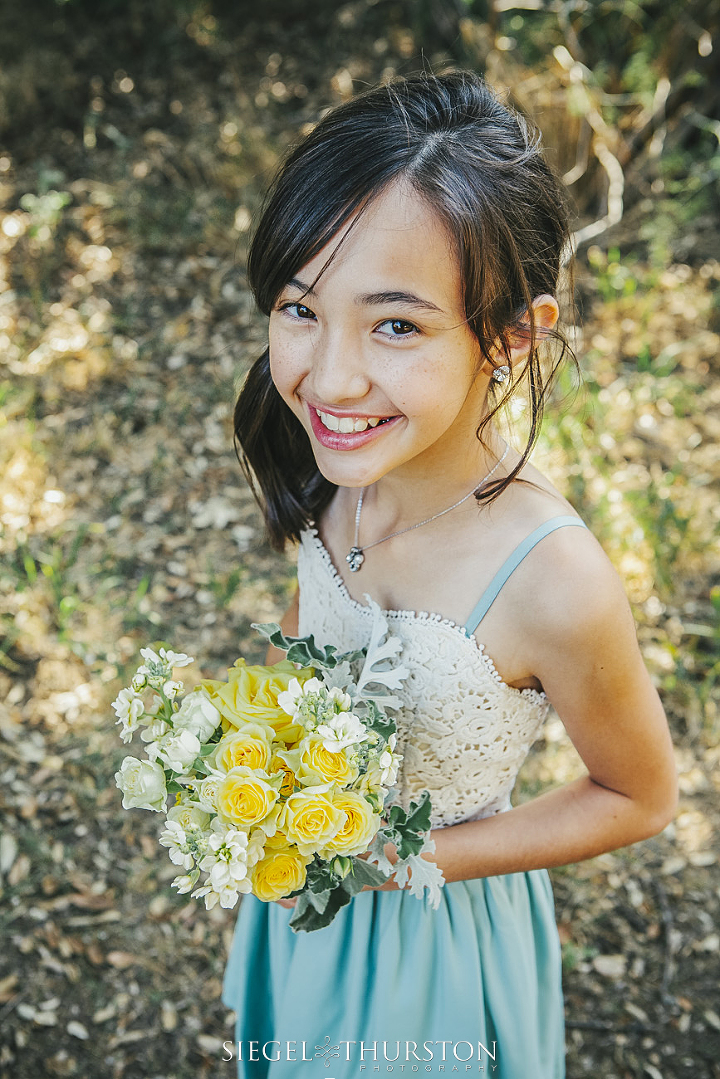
{"x": 310, "y": 819}
{"x": 277, "y": 841}
{"x": 249, "y": 745}
{"x": 279, "y": 873}
{"x": 277, "y": 764}
{"x": 319, "y": 765}
{"x": 361, "y": 824}
{"x": 250, "y": 695}
{"x": 245, "y": 796}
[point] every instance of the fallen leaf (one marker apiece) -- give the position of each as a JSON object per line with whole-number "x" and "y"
{"x": 611, "y": 966}
{"x": 121, "y": 960}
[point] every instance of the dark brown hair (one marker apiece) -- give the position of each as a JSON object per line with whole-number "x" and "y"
{"x": 480, "y": 168}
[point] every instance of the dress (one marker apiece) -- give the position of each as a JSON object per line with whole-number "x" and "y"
{"x": 392, "y": 985}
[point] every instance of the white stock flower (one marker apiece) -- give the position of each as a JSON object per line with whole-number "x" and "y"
{"x": 175, "y": 659}
{"x": 150, "y": 656}
{"x": 197, "y": 714}
{"x": 142, "y": 784}
{"x": 176, "y": 841}
{"x": 157, "y": 669}
{"x": 178, "y": 749}
{"x": 389, "y": 762}
{"x": 171, "y": 689}
{"x": 288, "y": 700}
{"x": 341, "y": 699}
{"x": 342, "y": 730}
{"x": 226, "y": 864}
{"x": 255, "y": 847}
{"x": 166, "y": 658}
{"x": 186, "y": 835}
{"x": 153, "y": 733}
{"x": 184, "y": 883}
{"x": 129, "y": 707}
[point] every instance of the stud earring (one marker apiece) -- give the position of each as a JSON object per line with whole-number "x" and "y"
{"x": 500, "y": 374}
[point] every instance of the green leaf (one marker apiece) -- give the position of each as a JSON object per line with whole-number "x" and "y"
{"x": 303, "y": 650}
{"x": 308, "y": 918}
{"x": 377, "y": 721}
{"x": 364, "y": 872}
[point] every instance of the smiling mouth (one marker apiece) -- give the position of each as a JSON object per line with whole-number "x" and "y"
{"x": 349, "y": 424}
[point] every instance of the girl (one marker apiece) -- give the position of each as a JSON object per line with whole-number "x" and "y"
{"x": 408, "y": 259}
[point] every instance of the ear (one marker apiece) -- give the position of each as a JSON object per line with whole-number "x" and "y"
{"x": 545, "y": 315}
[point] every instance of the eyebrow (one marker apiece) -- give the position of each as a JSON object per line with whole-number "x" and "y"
{"x": 375, "y": 299}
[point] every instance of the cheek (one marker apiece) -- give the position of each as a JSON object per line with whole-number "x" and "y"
{"x": 286, "y": 364}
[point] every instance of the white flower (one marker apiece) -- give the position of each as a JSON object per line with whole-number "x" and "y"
{"x": 207, "y": 791}
{"x": 389, "y": 762}
{"x": 150, "y": 656}
{"x": 153, "y": 733}
{"x": 171, "y": 689}
{"x": 342, "y": 700}
{"x": 129, "y": 707}
{"x": 190, "y": 816}
{"x": 197, "y": 714}
{"x": 142, "y": 784}
{"x": 154, "y": 707}
{"x": 226, "y": 864}
{"x": 178, "y": 749}
{"x": 167, "y": 658}
{"x": 184, "y": 883}
{"x": 157, "y": 669}
{"x": 344, "y": 729}
{"x": 175, "y": 839}
{"x": 175, "y": 659}
{"x": 288, "y": 700}
{"x": 185, "y": 834}
{"x": 255, "y": 847}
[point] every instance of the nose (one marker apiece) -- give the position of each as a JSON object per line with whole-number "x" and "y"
{"x": 338, "y": 374}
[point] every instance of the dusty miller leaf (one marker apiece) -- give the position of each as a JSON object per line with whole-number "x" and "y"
{"x": 377, "y": 653}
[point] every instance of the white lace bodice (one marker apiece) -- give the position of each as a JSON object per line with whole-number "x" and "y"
{"x": 463, "y": 731}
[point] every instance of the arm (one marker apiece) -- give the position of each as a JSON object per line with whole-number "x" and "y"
{"x": 583, "y": 648}
{"x": 579, "y": 640}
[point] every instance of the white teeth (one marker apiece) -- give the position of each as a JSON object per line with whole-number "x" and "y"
{"x": 346, "y": 424}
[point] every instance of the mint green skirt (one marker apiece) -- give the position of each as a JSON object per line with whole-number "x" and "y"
{"x": 393, "y": 987}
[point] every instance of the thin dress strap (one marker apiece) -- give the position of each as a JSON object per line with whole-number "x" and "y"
{"x": 511, "y": 564}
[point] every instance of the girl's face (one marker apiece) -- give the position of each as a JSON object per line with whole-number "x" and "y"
{"x": 382, "y": 337}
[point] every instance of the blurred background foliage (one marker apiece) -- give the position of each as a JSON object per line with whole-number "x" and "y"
{"x": 136, "y": 140}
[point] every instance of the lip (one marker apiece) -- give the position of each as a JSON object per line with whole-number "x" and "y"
{"x": 340, "y": 440}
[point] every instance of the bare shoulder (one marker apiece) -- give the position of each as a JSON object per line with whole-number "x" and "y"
{"x": 566, "y": 587}
{"x": 574, "y": 584}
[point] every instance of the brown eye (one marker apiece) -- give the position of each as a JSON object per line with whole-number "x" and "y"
{"x": 298, "y": 310}
{"x": 398, "y": 327}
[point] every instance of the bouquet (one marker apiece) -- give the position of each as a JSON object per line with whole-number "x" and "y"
{"x": 282, "y": 775}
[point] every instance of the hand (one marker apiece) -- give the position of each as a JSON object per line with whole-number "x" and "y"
{"x": 388, "y": 886}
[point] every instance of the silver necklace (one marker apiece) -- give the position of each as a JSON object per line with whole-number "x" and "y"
{"x": 356, "y": 556}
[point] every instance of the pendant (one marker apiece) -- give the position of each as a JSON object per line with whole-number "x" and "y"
{"x": 355, "y": 559}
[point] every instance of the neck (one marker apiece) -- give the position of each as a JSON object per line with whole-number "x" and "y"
{"x": 418, "y": 490}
